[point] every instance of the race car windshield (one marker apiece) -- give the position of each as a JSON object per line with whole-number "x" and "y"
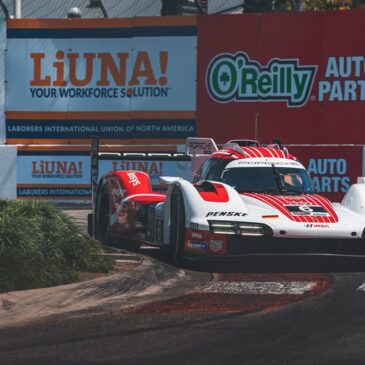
{"x": 272, "y": 180}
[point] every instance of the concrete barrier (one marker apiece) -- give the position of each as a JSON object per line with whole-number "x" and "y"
{"x": 8, "y": 156}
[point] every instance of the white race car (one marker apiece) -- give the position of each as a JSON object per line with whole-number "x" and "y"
{"x": 244, "y": 199}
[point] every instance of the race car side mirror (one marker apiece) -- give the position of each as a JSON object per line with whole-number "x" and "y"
{"x": 278, "y": 142}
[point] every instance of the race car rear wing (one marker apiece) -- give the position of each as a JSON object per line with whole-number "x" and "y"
{"x": 159, "y": 154}
{"x": 199, "y": 149}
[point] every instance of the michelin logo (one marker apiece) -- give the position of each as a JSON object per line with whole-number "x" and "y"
{"x": 234, "y": 77}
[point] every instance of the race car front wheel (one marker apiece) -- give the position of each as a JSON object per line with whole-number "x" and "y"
{"x": 177, "y": 226}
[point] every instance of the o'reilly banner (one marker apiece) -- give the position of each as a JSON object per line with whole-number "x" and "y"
{"x": 298, "y": 77}
{"x": 234, "y": 77}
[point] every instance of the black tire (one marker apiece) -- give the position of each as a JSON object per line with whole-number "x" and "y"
{"x": 128, "y": 245}
{"x": 177, "y": 226}
{"x": 103, "y": 220}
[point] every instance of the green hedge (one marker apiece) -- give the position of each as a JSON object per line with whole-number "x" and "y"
{"x": 41, "y": 246}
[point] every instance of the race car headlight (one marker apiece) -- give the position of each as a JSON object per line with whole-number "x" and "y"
{"x": 250, "y": 229}
{"x": 223, "y": 227}
{"x": 240, "y": 228}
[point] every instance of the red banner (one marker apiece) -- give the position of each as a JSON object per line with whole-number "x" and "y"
{"x": 295, "y": 76}
{"x": 332, "y": 169}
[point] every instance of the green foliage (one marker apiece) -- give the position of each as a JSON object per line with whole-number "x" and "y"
{"x": 41, "y": 246}
{"x": 330, "y": 4}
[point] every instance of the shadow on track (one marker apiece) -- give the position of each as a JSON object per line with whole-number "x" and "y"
{"x": 268, "y": 264}
{"x": 281, "y": 264}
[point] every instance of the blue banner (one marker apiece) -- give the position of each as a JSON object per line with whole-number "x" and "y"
{"x": 46, "y": 129}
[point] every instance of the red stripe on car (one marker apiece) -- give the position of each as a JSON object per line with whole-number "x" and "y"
{"x": 280, "y": 203}
{"x": 219, "y": 194}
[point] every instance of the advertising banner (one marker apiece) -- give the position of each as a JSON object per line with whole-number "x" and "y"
{"x": 295, "y": 76}
{"x": 61, "y": 175}
{"x": 332, "y": 168}
{"x": 66, "y": 175}
{"x": 60, "y": 71}
{"x": 79, "y": 129}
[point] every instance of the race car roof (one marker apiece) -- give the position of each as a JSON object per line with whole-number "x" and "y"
{"x": 235, "y": 152}
{"x": 264, "y": 162}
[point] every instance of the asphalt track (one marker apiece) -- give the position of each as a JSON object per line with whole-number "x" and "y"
{"x": 323, "y": 324}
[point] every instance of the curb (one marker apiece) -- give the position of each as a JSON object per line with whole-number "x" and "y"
{"x": 150, "y": 281}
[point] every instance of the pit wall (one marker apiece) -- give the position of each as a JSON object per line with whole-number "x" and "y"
{"x": 147, "y": 82}
{"x": 8, "y": 172}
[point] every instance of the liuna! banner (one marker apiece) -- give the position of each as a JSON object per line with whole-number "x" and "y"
{"x": 66, "y": 175}
{"x": 111, "y": 78}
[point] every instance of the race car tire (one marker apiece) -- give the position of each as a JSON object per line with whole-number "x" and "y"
{"x": 103, "y": 228}
{"x": 177, "y": 226}
{"x": 103, "y": 219}
{"x": 128, "y": 245}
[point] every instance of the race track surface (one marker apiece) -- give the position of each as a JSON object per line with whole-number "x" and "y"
{"x": 256, "y": 311}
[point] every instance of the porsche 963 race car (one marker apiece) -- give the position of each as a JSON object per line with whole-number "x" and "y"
{"x": 244, "y": 199}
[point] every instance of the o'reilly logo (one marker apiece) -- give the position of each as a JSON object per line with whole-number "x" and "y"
{"x": 234, "y": 77}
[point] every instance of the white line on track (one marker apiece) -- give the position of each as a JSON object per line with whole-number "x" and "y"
{"x": 127, "y": 261}
{"x": 261, "y": 287}
{"x": 361, "y": 287}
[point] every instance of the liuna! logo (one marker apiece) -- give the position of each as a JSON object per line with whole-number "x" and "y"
{"x": 234, "y": 77}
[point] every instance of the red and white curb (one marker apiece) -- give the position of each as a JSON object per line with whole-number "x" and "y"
{"x": 244, "y": 293}
{"x": 261, "y": 288}
{"x": 361, "y": 287}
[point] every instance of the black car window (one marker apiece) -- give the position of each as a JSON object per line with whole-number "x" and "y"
{"x": 269, "y": 180}
{"x": 204, "y": 170}
{"x": 216, "y": 168}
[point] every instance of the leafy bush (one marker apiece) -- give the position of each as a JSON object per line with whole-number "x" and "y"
{"x": 41, "y": 246}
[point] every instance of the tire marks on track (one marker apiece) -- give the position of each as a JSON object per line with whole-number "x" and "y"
{"x": 244, "y": 293}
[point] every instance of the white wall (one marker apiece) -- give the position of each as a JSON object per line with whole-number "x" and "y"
{"x": 8, "y": 156}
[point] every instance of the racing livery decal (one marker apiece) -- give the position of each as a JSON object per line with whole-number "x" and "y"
{"x": 216, "y": 246}
{"x": 308, "y": 208}
{"x": 197, "y": 245}
{"x": 313, "y": 210}
{"x": 225, "y": 214}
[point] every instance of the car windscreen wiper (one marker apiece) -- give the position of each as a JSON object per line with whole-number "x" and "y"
{"x": 293, "y": 192}
{"x": 266, "y": 191}
{"x": 278, "y": 180}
